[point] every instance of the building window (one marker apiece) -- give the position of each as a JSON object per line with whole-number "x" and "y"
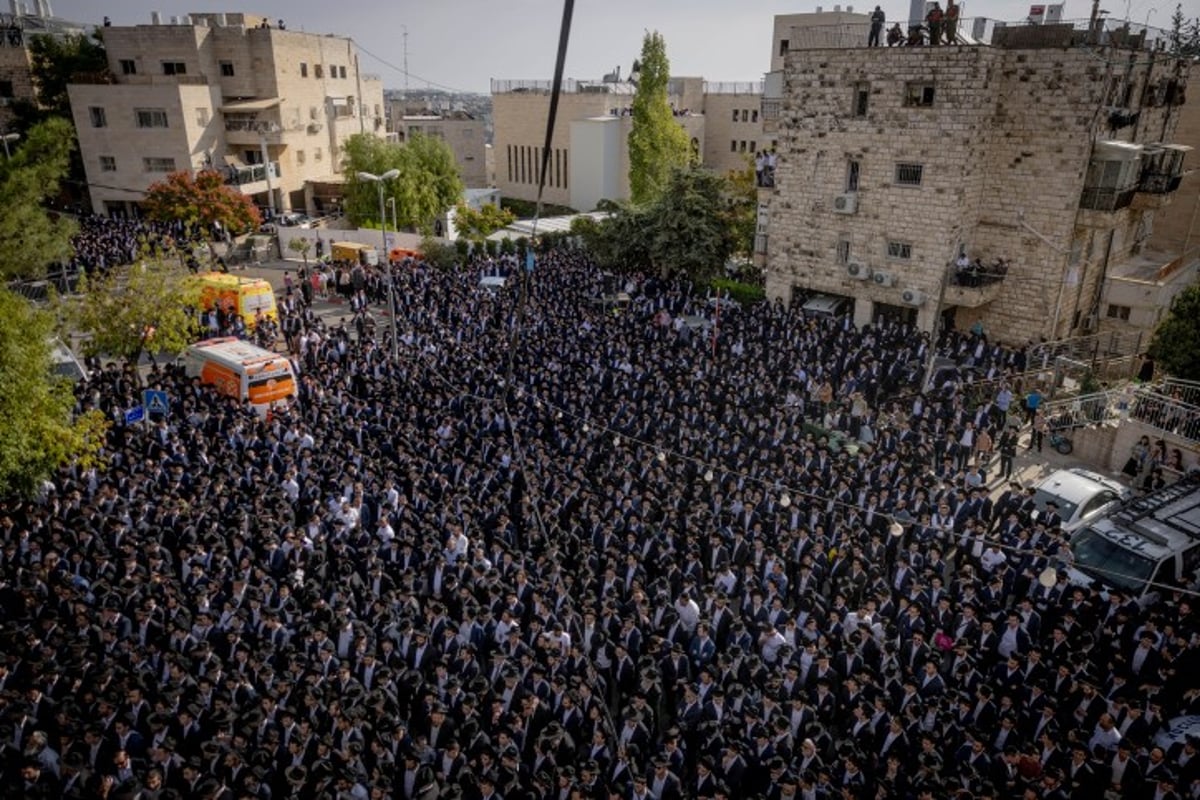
{"x": 159, "y": 164}
{"x": 202, "y": 116}
{"x": 318, "y": 71}
{"x": 108, "y": 164}
{"x": 901, "y": 250}
{"x": 97, "y": 116}
{"x": 226, "y": 69}
{"x": 299, "y": 157}
{"x": 909, "y": 174}
{"x": 862, "y": 100}
{"x": 510, "y": 163}
{"x": 128, "y": 66}
{"x": 174, "y": 68}
{"x": 317, "y": 154}
{"x": 735, "y": 115}
{"x": 6, "y": 90}
{"x": 1119, "y": 312}
{"x": 745, "y": 115}
{"x": 733, "y": 146}
{"x": 843, "y": 250}
{"x": 918, "y": 95}
{"x": 150, "y": 117}
{"x": 853, "y": 168}
{"x": 303, "y": 70}
{"x": 783, "y": 47}
{"x": 754, "y": 115}
{"x": 341, "y": 72}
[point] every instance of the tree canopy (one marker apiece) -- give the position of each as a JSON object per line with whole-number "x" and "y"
{"x": 657, "y": 143}
{"x": 1176, "y": 342}
{"x": 428, "y": 183}
{"x": 199, "y": 202}
{"x": 39, "y": 433}
{"x": 482, "y": 223}
{"x": 1184, "y": 34}
{"x": 692, "y": 228}
{"x": 55, "y": 62}
{"x": 148, "y": 307}
{"x": 30, "y": 236}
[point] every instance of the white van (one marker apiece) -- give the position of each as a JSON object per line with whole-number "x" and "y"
{"x": 241, "y": 370}
{"x": 64, "y": 364}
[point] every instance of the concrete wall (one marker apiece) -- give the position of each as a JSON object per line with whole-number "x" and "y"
{"x": 1007, "y": 137}
{"x": 595, "y": 161}
{"x": 723, "y": 135}
{"x": 466, "y": 137}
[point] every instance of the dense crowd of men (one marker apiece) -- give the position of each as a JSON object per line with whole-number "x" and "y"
{"x": 607, "y": 558}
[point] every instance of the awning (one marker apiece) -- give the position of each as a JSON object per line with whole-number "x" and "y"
{"x": 241, "y": 106}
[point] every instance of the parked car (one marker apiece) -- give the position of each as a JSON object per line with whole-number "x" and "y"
{"x": 1081, "y": 496}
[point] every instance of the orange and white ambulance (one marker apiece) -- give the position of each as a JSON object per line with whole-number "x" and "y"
{"x": 241, "y": 370}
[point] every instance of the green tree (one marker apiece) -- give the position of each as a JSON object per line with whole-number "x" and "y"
{"x": 1176, "y": 342}
{"x": 301, "y": 245}
{"x": 148, "y": 307}
{"x": 31, "y": 237}
{"x": 200, "y": 201}
{"x": 54, "y": 63}
{"x": 657, "y": 143}
{"x": 428, "y": 183}
{"x": 438, "y": 253}
{"x": 482, "y": 223}
{"x": 690, "y": 225}
{"x": 39, "y": 434}
{"x": 741, "y": 192}
{"x": 1185, "y": 33}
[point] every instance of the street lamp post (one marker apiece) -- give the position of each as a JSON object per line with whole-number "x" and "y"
{"x": 391, "y": 203}
{"x": 6, "y": 138}
{"x": 379, "y": 180}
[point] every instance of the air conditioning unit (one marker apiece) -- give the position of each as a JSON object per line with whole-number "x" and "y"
{"x": 912, "y": 297}
{"x": 1089, "y": 322}
{"x": 858, "y": 270}
{"x": 845, "y": 203}
{"x": 884, "y": 279}
{"x": 314, "y": 127}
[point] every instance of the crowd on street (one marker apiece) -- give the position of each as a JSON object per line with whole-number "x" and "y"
{"x": 614, "y": 555}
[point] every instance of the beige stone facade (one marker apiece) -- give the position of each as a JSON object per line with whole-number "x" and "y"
{"x": 520, "y": 110}
{"x": 893, "y": 161}
{"x": 222, "y": 91}
{"x": 464, "y": 134}
{"x": 16, "y": 32}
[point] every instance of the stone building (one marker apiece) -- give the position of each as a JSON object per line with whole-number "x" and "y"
{"x": 1046, "y": 148}
{"x": 17, "y": 29}
{"x": 271, "y": 108}
{"x": 590, "y": 153}
{"x": 464, "y": 134}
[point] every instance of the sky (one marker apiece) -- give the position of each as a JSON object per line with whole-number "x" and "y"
{"x": 463, "y": 44}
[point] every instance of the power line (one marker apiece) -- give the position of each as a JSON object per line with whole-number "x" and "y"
{"x": 407, "y": 74}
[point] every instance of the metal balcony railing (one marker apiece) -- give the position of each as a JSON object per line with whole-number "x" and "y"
{"x": 250, "y": 173}
{"x": 1096, "y": 199}
{"x": 1159, "y": 183}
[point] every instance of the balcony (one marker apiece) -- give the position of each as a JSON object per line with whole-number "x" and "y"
{"x": 975, "y": 285}
{"x": 251, "y": 178}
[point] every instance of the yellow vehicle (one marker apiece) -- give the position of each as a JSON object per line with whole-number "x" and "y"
{"x": 355, "y": 253}
{"x": 246, "y": 297}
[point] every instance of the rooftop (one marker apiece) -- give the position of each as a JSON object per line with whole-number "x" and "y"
{"x": 975, "y": 31}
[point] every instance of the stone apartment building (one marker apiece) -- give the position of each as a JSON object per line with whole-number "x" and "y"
{"x": 1046, "y": 147}
{"x": 466, "y": 136}
{"x": 270, "y": 108}
{"x": 17, "y": 29}
{"x": 590, "y": 154}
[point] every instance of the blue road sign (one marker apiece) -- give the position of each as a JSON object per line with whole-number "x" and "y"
{"x": 135, "y": 415}
{"x": 156, "y": 402}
